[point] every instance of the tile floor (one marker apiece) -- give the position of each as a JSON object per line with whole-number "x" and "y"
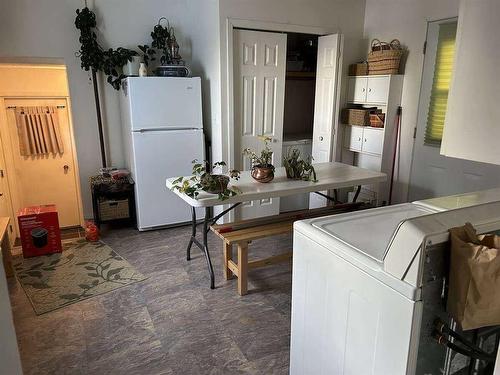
{"x": 172, "y": 323}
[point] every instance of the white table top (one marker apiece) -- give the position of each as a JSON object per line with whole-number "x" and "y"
{"x": 330, "y": 176}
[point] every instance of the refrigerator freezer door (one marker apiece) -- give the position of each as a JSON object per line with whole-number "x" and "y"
{"x": 160, "y": 155}
{"x": 160, "y": 102}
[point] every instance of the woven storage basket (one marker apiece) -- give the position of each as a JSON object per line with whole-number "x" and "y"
{"x": 377, "y": 120}
{"x": 384, "y": 57}
{"x": 359, "y": 69}
{"x": 114, "y": 210}
{"x": 355, "y": 116}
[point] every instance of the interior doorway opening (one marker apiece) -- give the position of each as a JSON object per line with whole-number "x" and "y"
{"x": 38, "y": 162}
{"x": 277, "y": 77}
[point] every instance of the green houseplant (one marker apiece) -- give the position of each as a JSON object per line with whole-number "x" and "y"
{"x": 298, "y": 168}
{"x": 93, "y": 56}
{"x": 262, "y": 167}
{"x": 206, "y": 180}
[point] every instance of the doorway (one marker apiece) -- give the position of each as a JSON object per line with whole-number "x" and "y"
{"x": 432, "y": 174}
{"x": 276, "y": 79}
{"x": 39, "y": 163}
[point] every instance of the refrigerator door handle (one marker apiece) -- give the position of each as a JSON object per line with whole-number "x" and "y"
{"x": 145, "y": 130}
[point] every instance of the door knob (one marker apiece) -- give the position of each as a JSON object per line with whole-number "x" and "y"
{"x": 66, "y": 168}
{"x": 320, "y": 138}
{"x": 369, "y": 90}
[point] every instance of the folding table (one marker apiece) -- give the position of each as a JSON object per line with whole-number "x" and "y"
{"x": 330, "y": 176}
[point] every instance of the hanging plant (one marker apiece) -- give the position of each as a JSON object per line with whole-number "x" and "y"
{"x": 161, "y": 40}
{"x": 93, "y": 56}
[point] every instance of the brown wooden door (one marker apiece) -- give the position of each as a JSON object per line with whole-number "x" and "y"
{"x": 44, "y": 179}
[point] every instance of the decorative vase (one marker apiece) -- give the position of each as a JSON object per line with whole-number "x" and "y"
{"x": 143, "y": 71}
{"x": 263, "y": 173}
{"x": 214, "y": 183}
{"x": 131, "y": 69}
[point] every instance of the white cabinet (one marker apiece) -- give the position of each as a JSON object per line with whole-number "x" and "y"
{"x": 353, "y": 138}
{"x": 364, "y": 139}
{"x": 373, "y": 141}
{"x": 357, "y": 89}
{"x": 368, "y": 89}
{"x": 378, "y": 89}
{"x": 369, "y": 147}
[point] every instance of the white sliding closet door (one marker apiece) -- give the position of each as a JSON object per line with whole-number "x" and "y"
{"x": 326, "y": 104}
{"x": 259, "y": 96}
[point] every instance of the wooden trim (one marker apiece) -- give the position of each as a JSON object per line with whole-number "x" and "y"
{"x": 270, "y": 261}
{"x": 242, "y": 268}
{"x": 228, "y": 256}
{"x": 5, "y": 246}
{"x": 233, "y": 267}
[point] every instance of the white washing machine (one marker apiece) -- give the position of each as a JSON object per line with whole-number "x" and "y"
{"x": 367, "y": 285}
{"x": 299, "y": 201}
{"x": 452, "y": 202}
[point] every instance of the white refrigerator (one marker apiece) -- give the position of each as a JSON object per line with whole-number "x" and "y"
{"x": 163, "y": 132}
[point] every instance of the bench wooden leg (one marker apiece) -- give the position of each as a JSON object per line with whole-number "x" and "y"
{"x": 228, "y": 255}
{"x": 242, "y": 268}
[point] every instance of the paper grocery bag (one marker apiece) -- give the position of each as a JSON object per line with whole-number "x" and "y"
{"x": 474, "y": 278}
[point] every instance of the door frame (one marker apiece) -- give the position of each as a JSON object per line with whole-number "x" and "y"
{"x": 227, "y": 78}
{"x": 227, "y": 120}
{"x": 5, "y": 134}
{"x": 421, "y": 113}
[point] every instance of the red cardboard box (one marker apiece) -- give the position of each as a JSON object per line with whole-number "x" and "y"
{"x": 40, "y": 233}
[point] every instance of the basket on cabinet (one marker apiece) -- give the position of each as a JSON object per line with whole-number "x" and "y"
{"x": 355, "y": 116}
{"x": 384, "y": 58}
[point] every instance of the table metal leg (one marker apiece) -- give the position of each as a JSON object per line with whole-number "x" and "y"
{"x": 203, "y": 246}
{"x": 193, "y": 233}
{"x": 356, "y": 195}
{"x": 206, "y": 228}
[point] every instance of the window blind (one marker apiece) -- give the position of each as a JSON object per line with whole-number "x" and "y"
{"x": 443, "y": 69}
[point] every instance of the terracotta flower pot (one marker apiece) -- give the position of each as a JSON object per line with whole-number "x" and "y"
{"x": 263, "y": 174}
{"x": 214, "y": 183}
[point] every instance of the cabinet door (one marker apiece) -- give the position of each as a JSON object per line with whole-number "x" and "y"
{"x": 353, "y": 137}
{"x": 373, "y": 141}
{"x": 378, "y": 89}
{"x": 357, "y": 89}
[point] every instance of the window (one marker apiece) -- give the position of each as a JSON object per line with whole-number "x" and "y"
{"x": 443, "y": 69}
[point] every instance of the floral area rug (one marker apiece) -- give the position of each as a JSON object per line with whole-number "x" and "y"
{"x": 83, "y": 270}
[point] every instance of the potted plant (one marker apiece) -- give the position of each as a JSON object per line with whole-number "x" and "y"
{"x": 298, "y": 168}
{"x": 262, "y": 168}
{"x": 208, "y": 181}
{"x": 148, "y": 54}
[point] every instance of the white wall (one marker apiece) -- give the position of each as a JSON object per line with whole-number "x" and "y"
{"x": 406, "y": 20}
{"x": 31, "y": 28}
{"x": 344, "y": 16}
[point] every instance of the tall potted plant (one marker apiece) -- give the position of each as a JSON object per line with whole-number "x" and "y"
{"x": 95, "y": 58}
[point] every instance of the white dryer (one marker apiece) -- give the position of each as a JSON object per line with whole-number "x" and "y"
{"x": 367, "y": 285}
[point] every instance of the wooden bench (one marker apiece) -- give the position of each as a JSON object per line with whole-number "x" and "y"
{"x": 242, "y": 233}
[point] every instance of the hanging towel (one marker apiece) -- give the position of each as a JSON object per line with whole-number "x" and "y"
{"x": 38, "y": 131}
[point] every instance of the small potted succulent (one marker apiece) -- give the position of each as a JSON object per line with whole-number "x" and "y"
{"x": 208, "y": 181}
{"x": 298, "y": 168}
{"x": 262, "y": 167}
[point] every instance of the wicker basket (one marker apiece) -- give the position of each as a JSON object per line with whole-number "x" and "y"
{"x": 377, "y": 120}
{"x": 359, "y": 69}
{"x": 355, "y": 116}
{"x": 114, "y": 209}
{"x": 384, "y": 57}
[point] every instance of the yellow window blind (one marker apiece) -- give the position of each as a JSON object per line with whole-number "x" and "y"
{"x": 443, "y": 69}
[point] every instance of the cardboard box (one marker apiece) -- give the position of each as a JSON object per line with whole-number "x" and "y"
{"x": 39, "y": 230}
